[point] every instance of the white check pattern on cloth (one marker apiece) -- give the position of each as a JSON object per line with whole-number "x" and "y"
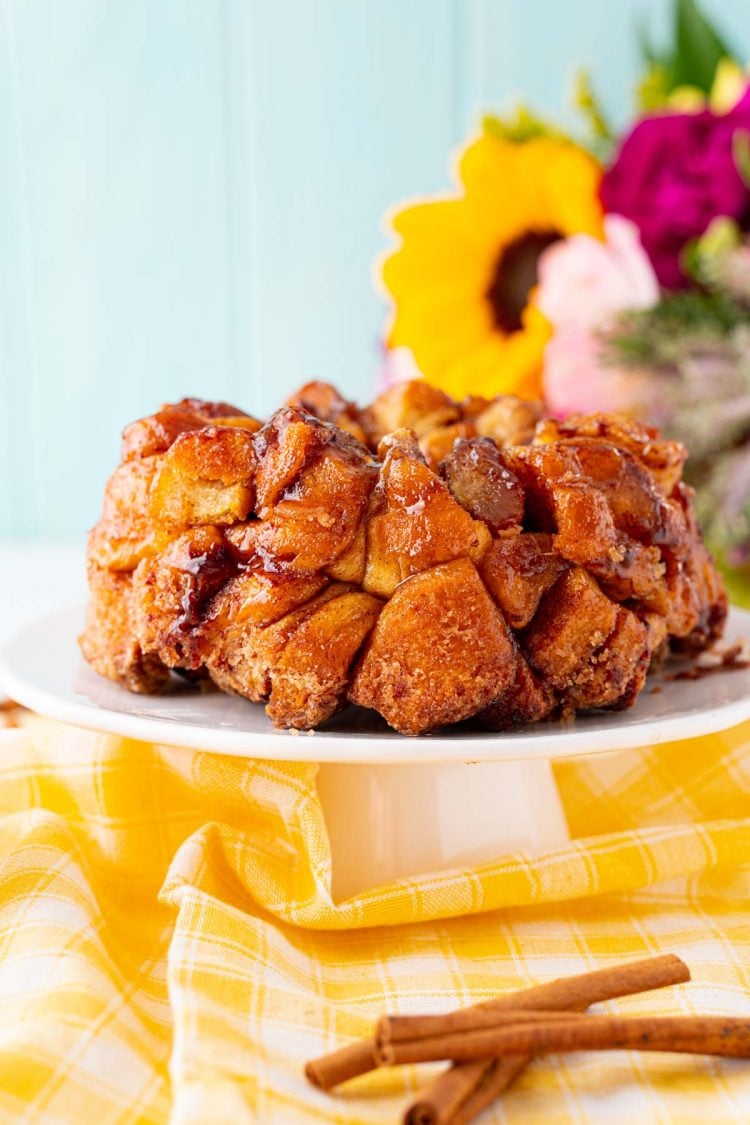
{"x": 169, "y": 947}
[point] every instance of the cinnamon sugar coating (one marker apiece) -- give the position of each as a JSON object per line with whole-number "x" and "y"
{"x": 437, "y": 561}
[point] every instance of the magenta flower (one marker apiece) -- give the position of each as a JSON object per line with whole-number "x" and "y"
{"x": 673, "y": 174}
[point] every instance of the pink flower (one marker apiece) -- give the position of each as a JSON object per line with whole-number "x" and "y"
{"x": 583, "y": 285}
{"x": 398, "y": 366}
{"x": 585, "y": 281}
{"x": 576, "y": 381}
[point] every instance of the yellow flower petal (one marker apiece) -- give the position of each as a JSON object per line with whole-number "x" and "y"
{"x": 502, "y": 365}
{"x": 687, "y": 99}
{"x": 452, "y": 218}
{"x": 406, "y": 272}
{"x": 441, "y": 336}
{"x": 728, "y": 86}
{"x": 440, "y": 275}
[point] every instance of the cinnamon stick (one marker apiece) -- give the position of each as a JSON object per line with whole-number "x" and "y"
{"x": 497, "y": 1076}
{"x": 569, "y": 992}
{"x": 392, "y": 1030}
{"x": 725, "y": 1036}
{"x": 348, "y": 1062}
{"x": 462, "y": 1091}
{"x": 452, "y": 1089}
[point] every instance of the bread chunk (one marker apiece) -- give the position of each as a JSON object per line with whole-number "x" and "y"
{"x": 662, "y": 458}
{"x": 508, "y": 420}
{"x": 617, "y": 669}
{"x": 440, "y": 651}
{"x": 206, "y": 477}
{"x": 483, "y": 485}
{"x": 410, "y": 406}
{"x": 126, "y": 532}
{"x": 300, "y": 662}
{"x": 172, "y": 591}
{"x": 414, "y": 522}
{"x": 528, "y": 700}
{"x": 309, "y": 680}
{"x": 313, "y": 487}
{"x": 603, "y": 507}
{"x": 518, "y": 571}
{"x": 109, "y": 641}
{"x": 438, "y": 444}
{"x": 156, "y": 433}
{"x": 574, "y": 619}
{"x": 350, "y": 567}
{"x": 323, "y": 401}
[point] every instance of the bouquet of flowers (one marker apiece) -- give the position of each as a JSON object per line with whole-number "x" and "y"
{"x": 601, "y": 272}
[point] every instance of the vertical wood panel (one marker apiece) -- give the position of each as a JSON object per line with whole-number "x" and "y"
{"x": 528, "y": 49}
{"x": 119, "y": 117}
{"x": 527, "y": 52}
{"x": 242, "y": 217}
{"x": 19, "y": 466}
{"x": 352, "y": 109}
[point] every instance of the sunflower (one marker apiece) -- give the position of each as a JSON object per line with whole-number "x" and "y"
{"x": 462, "y": 278}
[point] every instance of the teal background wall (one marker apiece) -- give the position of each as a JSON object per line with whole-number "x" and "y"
{"x": 191, "y": 194}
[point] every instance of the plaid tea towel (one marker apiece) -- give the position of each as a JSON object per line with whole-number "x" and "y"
{"x": 170, "y": 950}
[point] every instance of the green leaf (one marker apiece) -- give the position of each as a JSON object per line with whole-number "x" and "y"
{"x": 649, "y": 337}
{"x": 653, "y": 89}
{"x": 691, "y": 259}
{"x": 587, "y": 101}
{"x": 741, "y": 154}
{"x": 704, "y": 258}
{"x": 520, "y": 125}
{"x": 698, "y": 47}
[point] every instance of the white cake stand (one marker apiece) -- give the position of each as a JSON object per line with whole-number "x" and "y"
{"x": 394, "y": 806}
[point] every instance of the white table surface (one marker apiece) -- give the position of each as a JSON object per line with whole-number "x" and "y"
{"x": 38, "y": 579}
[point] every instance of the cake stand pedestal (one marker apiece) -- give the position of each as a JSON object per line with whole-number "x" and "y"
{"x": 388, "y": 822}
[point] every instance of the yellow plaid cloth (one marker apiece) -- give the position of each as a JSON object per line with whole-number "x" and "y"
{"x": 169, "y": 948}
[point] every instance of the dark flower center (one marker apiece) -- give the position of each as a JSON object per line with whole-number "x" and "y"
{"x": 515, "y": 276}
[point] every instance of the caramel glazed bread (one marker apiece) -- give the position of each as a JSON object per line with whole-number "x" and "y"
{"x": 433, "y": 560}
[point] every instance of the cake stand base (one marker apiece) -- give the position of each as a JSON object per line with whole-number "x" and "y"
{"x": 386, "y": 822}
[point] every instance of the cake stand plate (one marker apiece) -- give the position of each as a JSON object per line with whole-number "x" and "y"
{"x": 394, "y": 806}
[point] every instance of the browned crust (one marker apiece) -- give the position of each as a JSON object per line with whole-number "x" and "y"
{"x": 435, "y": 560}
